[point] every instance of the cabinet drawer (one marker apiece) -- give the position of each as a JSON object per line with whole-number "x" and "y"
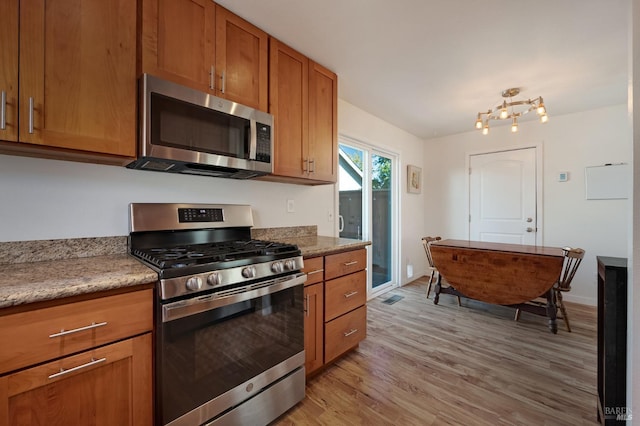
{"x": 314, "y": 268}
{"x": 49, "y": 333}
{"x": 344, "y": 332}
{"x": 345, "y": 294}
{"x": 337, "y": 265}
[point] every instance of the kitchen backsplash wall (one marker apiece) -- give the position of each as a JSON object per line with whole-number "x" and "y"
{"x": 49, "y": 199}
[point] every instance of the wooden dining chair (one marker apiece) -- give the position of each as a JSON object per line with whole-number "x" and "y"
{"x": 434, "y": 273}
{"x": 572, "y": 259}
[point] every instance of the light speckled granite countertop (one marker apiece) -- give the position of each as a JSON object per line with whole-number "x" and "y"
{"x": 34, "y": 271}
{"x": 30, "y": 282}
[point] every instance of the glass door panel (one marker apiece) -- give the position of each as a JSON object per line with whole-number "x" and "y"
{"x": 351, "y": 167}
{"x": 381, "y": 180}
{"x": 367, "y": 191}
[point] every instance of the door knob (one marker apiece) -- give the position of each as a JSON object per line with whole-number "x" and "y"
{"x": 529, "y": 229}
{"x": 529, "y": 219}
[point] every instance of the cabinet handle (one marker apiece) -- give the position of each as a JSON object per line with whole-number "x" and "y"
{"x": 31, "y": 115}
{"x": 62, "y": 371}
{"x": 350, "y": 263}
{"x": 306, "y": 303}
{"x": 350, "y": 332}
{"x": 76, "y": 330}
{"x": 224, "y": 81}
{"x": 212, "y": 78}
{"x": 317, "y": 271}
{"x": 305, "y": 165}
{"x": 348, "y": 295}
{"x": 312, "y": 169}
{"x": 3, "y": 111}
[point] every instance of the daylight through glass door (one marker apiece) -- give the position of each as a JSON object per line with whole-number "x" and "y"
{"x": 365, "y": 207}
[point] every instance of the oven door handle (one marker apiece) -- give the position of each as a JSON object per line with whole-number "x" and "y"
{"x": 176, "y": 310}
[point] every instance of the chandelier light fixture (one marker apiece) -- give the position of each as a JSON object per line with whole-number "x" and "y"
{"x": 511, "y": 110}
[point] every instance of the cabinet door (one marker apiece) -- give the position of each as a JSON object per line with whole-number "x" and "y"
{"x": 323, "y": 123}
{"x": 313, "y": 327}
{"x": 288, "y": 102}
{"x": 110, "y": 385}
{"x": 9, "y": 70}
{"x": 241, "y": 60}
{"x": 77, "y": 75}
{"x": 178, "y": 41}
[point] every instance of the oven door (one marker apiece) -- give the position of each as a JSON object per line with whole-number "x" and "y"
{"x": 213, "y": 352}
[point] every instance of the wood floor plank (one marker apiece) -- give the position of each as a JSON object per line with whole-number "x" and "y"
{"x": 426, "y": 364}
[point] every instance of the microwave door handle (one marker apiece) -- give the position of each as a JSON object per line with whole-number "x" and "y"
{"x": 253, "y": 139}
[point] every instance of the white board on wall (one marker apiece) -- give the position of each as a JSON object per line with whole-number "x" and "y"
{"x": 607, "y": 182}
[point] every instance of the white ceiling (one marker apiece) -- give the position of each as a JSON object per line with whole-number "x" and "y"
{"x": 429, "y": 66}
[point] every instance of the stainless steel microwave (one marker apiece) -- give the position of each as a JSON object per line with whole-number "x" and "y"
{"x": 183, "y": 130}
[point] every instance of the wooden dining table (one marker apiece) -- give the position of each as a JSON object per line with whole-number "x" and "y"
{"x": 499, "y": 273}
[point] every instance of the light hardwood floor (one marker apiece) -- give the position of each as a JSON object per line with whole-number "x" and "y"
{"x": 423, "y": 364}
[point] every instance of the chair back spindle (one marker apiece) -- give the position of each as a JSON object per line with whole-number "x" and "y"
{"x": 572, "y": 259}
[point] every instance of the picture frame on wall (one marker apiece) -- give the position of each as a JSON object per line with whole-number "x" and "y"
{"x": 414, "y": 179}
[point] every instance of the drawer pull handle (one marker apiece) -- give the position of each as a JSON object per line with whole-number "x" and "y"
{"x": 3, "y": 111}
{"x": 76, "y": 330}
{"x": 348, "y": 295}
{"x": 350, "y": 332}
{"x": 317, "y": 271}
{"x": 350, "y": 263}
{"x": 31, "y": 108}
{"x": 306, "y": 305}
{"x": 62, "y": 371}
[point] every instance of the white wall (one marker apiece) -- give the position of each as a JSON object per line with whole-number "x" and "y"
{"x": 569, "y": 143}
{"x": 364, "y": 127}
{"x": 48, "y": 199}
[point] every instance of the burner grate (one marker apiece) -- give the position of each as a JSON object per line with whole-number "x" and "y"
{"x": 210, "y": 253}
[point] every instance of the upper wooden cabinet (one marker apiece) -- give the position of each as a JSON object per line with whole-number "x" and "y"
{"x": 69, "y": 78}
{"x": 242, "y": 60}
{"x": 323, "y": 123}
{"x": 303, "y": 101}
{"x": 200, "y": 44}
{"x": 178, "y": 41}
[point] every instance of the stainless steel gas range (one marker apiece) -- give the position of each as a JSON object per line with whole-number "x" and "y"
{"x": 229, "y": 345}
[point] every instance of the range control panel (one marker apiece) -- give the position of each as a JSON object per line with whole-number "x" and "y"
{"x": 200, "y": 215}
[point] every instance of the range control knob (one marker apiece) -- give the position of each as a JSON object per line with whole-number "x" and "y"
{"x": 277, "y": 267}
{"x": 194, "y": 283}
{"x": 249, "y": 272}
{"x": 214, "y": 279}
{"x": 290, "y": 265}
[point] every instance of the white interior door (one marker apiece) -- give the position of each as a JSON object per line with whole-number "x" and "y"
{"x": 503, "y": 197}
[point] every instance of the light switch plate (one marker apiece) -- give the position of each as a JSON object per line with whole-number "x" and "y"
{"x": 563, "y": 176}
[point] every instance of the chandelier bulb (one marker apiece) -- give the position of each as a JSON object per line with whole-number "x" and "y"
{"x": 541, "y": 109}
{"x": 514, "y": 125}
{"x": 544, "y": 118}
{"x": 485, "y": 129}
{"x": 503, "y": 112}
{"x": 479, "y": 122}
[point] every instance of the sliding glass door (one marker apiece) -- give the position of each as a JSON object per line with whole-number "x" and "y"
{"x": 367, "y": 193}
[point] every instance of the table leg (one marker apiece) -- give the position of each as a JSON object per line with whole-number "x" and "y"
{"x": 436, "y": 298}
{"x": 552, "y": 312}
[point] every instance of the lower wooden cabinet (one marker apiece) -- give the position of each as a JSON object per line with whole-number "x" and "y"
{"x": 345, "y": 332}
{"x": 335, "y": 306}
{"x": 87, "y": 362}
{"x": 313, "y": 327}
{"x": 110, "y": 385}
